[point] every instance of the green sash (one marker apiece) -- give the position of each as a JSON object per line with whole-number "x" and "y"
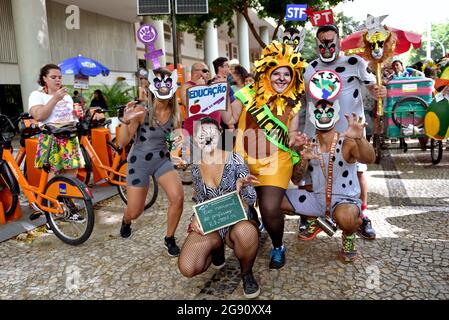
{"x": 275, "y": 130}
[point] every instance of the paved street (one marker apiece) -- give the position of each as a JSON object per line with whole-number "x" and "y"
{"x": 408, "y": 204}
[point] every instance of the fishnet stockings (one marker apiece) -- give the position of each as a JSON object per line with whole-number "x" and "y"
{"x": 244, "y": 239}
{"x": 196, "y": 251}
{"x": 195, "y": 257}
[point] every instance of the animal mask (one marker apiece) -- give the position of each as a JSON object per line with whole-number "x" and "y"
{"x": 294, "y": 37}
{"x": 374, "y": 24}
{"x": 328, "y": 50}
{"x": 376, "y": 43}
{"x": 163, "y": 86}
{"x": 324, "y": 115}
{"x": 376, "y": 36}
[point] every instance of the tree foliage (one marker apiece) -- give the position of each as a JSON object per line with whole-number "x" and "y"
{"x": 440, "y": 33}
{"x": 222, "y": 11}
{"x": 116, "y": 95}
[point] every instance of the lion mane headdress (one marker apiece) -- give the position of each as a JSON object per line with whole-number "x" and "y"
{"x": 276, "y": 55}
{"x": 378, "y": 41}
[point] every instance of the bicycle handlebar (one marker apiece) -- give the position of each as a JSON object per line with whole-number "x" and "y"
{"x": 4, "y": 126}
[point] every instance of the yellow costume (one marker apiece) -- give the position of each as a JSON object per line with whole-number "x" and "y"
{"x": 266, "y": 149}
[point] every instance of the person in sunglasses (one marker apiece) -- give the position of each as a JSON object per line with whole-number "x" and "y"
{"x": 199, "y": 76}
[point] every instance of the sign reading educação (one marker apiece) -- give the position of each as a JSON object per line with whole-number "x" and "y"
{"x": 207, "y": 99}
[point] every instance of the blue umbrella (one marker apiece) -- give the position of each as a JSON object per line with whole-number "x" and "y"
{"x": 83, "y": 66}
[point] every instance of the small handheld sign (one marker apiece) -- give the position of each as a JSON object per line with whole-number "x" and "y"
{"x": 220, "y": 212}
{"x": 325, "y": 84}
{"x": 147, "y": 34}
{"x": 296, "y": 12}
{"x": 207, "y": 99}
{"x": 321, "y": 18}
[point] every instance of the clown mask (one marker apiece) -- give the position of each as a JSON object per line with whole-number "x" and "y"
{"x": 207, "y": 137}
{"x": 324, "y": 115}
{"x": 328, "y": 46}
{"x": 162, "y": 85}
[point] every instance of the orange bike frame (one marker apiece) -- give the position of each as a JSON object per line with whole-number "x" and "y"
{"x": 20, "y": 156}
{"x": 30, "y": 191}
{"x": 106, "y": 172}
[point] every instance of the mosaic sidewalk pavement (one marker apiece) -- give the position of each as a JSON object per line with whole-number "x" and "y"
{"x": 408, "y": 204}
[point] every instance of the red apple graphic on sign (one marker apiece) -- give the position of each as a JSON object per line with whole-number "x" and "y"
{"x": 195, "y": 108}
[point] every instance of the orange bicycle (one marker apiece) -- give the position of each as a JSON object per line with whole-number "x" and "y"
{"x": 28, "y": 129}
{"x": 65, "y": 201}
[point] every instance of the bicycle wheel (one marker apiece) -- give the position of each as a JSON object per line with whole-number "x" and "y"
{"x": 75, "y": 225}
{"x": 9, "y": 182}
{"x": 152, "y": 190}
{"x": 409, "y": 111}
{"x": 436, "y": 151}
{"x": 85, "y": 173}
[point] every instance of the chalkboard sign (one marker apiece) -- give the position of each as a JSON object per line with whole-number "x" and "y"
{"x": 220, "y": 212}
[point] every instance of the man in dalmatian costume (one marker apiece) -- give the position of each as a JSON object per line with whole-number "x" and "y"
{"x": 331, "y": 77}
{"x": 331, "y": 158}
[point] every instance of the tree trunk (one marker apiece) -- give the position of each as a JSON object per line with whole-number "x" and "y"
{"x": 275, "y": 33}
{"x": 256, "y": 35}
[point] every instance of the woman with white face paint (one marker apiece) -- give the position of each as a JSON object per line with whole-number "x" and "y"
{"x": 267, "y": 114}
{"x": 153, "y": 132}
{"x": 219, "y": 172}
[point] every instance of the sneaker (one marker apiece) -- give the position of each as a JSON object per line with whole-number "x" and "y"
{"x": 366, "y": 230}
{"x": 311, "y": 231}
{"x": 347, "y": 252}
{"x": 218, "y": 258}
{"x": 125, "y": 229}
{"x": 277, "y": 257}
{"x": 250, "y": 286}
{"x": 172, "y": 248}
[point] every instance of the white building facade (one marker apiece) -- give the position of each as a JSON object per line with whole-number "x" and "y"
{"x": 37, "y": 32}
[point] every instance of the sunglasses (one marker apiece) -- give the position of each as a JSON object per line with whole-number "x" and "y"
{"x": 204, "y": 71}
